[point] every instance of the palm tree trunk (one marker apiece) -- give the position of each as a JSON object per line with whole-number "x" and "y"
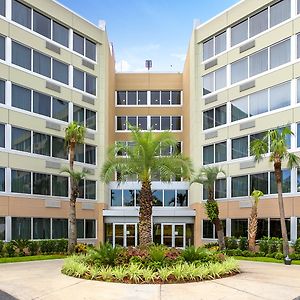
{"x": 72, "y": 232}
{"x": 220, "y": 233}
{"x": 277, "y": 168}
{"x": 252, "y": 228}
{"x": 145, "y": 217}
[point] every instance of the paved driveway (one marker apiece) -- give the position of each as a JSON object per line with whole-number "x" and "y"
{"x": 43, "y": 280}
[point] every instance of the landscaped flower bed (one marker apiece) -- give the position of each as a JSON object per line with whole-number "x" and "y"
{"x": 155, "y": 264}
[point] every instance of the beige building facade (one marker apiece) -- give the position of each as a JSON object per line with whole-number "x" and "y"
{"x": 240, "y": 79}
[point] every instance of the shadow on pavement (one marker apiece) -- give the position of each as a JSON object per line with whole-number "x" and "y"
{"x": 5, "y": 296}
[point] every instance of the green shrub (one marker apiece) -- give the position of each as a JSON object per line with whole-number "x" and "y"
{"x": 1, "y": 247}
{"x": 47, "y": 246}
{"x": 297, "y": 246}
{"x": 33, "y": 247}
{"x": 81, "y": 248}
{"x": 190, "y": 254}
{"x": 243, "y": 243}
{"x": 231, "y": 243}
{"x": 20, "y": 245}
{"x": 61, "y": 246}
{"x": 295, "y": 256}
{"x": 211, "y": 245}
{"x": 279, "y": 256}
{"x": 263, "y": 245}
{"x": 234, "y": 252}
{"x": 157, "y": 253}
{"x": 260, "y": 254}
{"x": 10, "y": 249}
{"x": 247, "y": 253}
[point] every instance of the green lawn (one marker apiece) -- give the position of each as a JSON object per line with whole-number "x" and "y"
{"x": 265, "y": 259}
{"x": 30, "y": 258}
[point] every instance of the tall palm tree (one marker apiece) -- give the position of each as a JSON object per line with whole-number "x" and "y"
{"x": 207, "y": 177}
{"x": 252, "y": 228}
{"x": 142, "y": 160}
{"x": 278, "y": 153}
{"x": 74, "y": 135}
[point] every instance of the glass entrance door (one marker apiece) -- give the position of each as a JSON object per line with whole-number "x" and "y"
{"x": 173, "y": 235}
{"x": 167, "y": 235}
{"x": 124, "y": 235}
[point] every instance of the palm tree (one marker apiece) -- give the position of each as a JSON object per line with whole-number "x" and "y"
{"x": 278, "y": 153}
{"x": 207, "y": 177}
{"x": 252, "y": 229}
{"x": 143, "y": 161}
{"x": 74, "y": 135}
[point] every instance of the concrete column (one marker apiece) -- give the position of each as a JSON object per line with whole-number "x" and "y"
{"x": 293, "y": 229}
{"x": 8, "y": 228}
{"x": 228, "y": 227}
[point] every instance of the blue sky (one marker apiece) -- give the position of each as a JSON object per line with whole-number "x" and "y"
{"x": 149, "y": 29}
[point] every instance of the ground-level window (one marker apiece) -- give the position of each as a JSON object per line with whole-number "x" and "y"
{"x": 275, "y": 228}
{"x": 21, "y": 229}
{"x": 209, "y": 229}
{"x": 239, "y": 227}
{"x": 2, "y": 228}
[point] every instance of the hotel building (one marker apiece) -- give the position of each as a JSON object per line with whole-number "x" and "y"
{"x": 240, "y": 80}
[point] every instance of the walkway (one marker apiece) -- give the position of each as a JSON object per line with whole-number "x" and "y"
{"x": 43, "y": 280}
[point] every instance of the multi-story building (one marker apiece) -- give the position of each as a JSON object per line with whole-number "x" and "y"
{"x": 240, "y": 79}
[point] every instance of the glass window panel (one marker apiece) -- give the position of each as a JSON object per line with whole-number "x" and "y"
{"x": 169, "y": 198}
{"x": 2, "y": 136}
{"x": 2, "y": 91}
{"x": 176, "y": 123}
{"x": 208, "y": 154}
{"x": 121, "y": 98}
{"x": 239, "y": 228}
{"x": 41, "y": 144}
{"x": 220, "y": 43}
{"x": 298, "y": 46}
{"x": 157, "y": 198}
{"x": 21, "y": 97}
{"x": 286, "y": 182}
{"x": 90, "y": 189}
{"x": 41, "y": 24}
{"x": 262, "y": 228}
{"x": 108, "y": 232}
{"x": 142, "y": 98}
{"x": 280, "y": 12}
{"x": 258, "y": 103}
{"x": 208, "y": 119}
{"x": 220, "y": 152}
{"x": 59, "y": 228}
{"x": 128, "y": 197}
{"x": 2, "y": 8}
{"x": 2, "y": 180}
{"x": 155, "y": 123}
{"x": 80, "y": 229}
{"x": 259, "y": 23}
{"x": 208, "y": 84}
{"x": 132, "y": 121}
{"x": 58, "y": 148}
{"x": 21, "y": 13}
{"x": 182, "y": 198}
{"x": 90, "y": 85}
{"x": 90, "y": 229}
{"x": 165, "y": 123}
{"x": 220, "y": 78}
{"x": 78, "y": 43}
{"x": 239, "y": 147}
{"x": 2, "y": 47}
{"x": 41, "y": 184}
{"x": 90, "y": 50}
{"x": 208, "y": 49}
{"x": 239, "y": 186}
{"x": 90, "y": 119}
{"x": 79, "y": 153}
{"x": 21, "y": 228}
{"x": 121, "y": 123}
{"x": 81, "y": 189}
{"x": 280, "y": 96}
{"x": 220, "y": 115}
{"x": 258, "y": 62}
{"x": 280, "y": 54}
{"x": 21, "y": 139}
{"x": 21, "y": 56}
{"x": 90, "y": 154}
{"x": 257, "y": 136}
{"x": 287, "y": 137}
{"x": 60, "y": 34}
{"x": 208, "y": 229}
{"x": 78, "y": 79}
{"x": 60, "y": 72}
{"x": 41, "y": 229}
{"x": 78, "y": 114}
{"x": 239, "y": 70}
{"x": 259, "y": 182}
{"x": 239, "y": 33}
{"x": 116, "y": 197}
{"x": 165, "y": 98}
{"x": 41, "y": 104}
{"x": 41, "y": 64}
{"x": 275, "y": 228}
{"x": 298, "y": 135}
{"x": 20, "y": 182}
{"x": 176, "y": 97}
{"x": 2, "y": 227}
{"x": 60, "y": 110}
{"x": 239, "y": 109}
{"x": 155, "y": 97}
{"x": 131, "y": 98}
{"x": 142, "y": 123}
{"x": 298, "y": 11}
{"x": 221, "y": 188}
{"x": 60, "y": 186}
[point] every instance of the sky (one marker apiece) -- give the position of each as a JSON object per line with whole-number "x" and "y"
{"x": 159, "y": 30}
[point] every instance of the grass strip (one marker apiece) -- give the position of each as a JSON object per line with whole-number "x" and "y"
{"x": 30, "y": 258}
{"x": 265, "y": 259}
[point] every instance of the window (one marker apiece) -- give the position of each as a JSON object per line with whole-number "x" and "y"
{"x": 90, "y": 189}
{"x": 60, "y": 186}
{"x": 298, "y": 135}
{"x": 84, "y": 46}
{"x": 21, "y": 56}
{"x": 41, "y": 24}
{"x": 121, "y": 98}
{"x": 41, "y": 184}
{"x": 41, "y": 64}
{"x": 90, "y": 154}
{"x": 116, "y": 198}
{"x": 215, "y": 153}
{"x": 58, "y": 148}
{"x": 80, "y": 229}
{"x": 41, "y": 104}
{"x": 214, "y": 45}
{"x": 298, "y": 45}
{"x": 78, "y": 79}
{"x": 207, "y": 229}
{"x": 60, "y": 110}
{"x": 221, "y": 188}
{"x": 182, "y": 198}
{"x": 21, "y": 228}
{"x": 275, "y": 228}
{"x": 286, "y": 182}
{"x": 176, "y": 123}
{"x": 208, "y": 155}
{"x": 239, "y": 228}
{"x": 214, "y": 117}
{"x": 157, "y": 198}
{"x": 59, "y": 228}
{"x": 21, "y": 13}
{"x": 239, "y": 109}
{"x": 258, "y": 103}
{"x": 2, "y": 8}
{"x": 280, "y": 96}
{"x": 280, "y": 12}
{"x": 21, "y": 97}
{"x": 259, "y": 182}
{"x": 239, "y": 70}
{"x": 169, "y": 198}
{"x": 239, "y": 147}
{"x": 90, "y": 49}
{"x": 78, "y": 43}
{"x": 220, "y": 43}
{"x": 90, "y": 229}
{"x": 20, "y": 182}
{"x": 2, "y": 92}
{"x": 128, "y": 197}
{"x": 280, "y": 53}
{"x": 84, "y": 81}
{"x": 298, "y": 6}
{"x": 2, "y": 136}
{"x": 60, "y": 72}
{"x": 41, "y": 144}
{"x": 41, "y": 228}
{"x": 84, "y": 116}
{"x": 90, "y": 119}
{"x": 90, "y": 85}
{"x": 21, "y": 139}
{"x": 2, "y": 181}
{"x": 214, "y": 81}
{"x": 239, "y": 186}
{"x": 2, "y": 47}
{"x": 239, "y": 33}
{"x": 298, "y": 180}
{"x": 208, "y": 49}
{"x": 2, "y": 225}
{"x": 259, "y": 22}
{"x": 60, "y": 34}
{"x": 262, "y": 228}
{"x": 258, "y": 62}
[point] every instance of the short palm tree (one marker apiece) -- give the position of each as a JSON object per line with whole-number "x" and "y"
{"x": 207, "y": 177}
{"x": 74, "y": 135}
{"x": 278, "y": 154}
{"x": 252, "y": 228}
{"x": 142, "y": 160}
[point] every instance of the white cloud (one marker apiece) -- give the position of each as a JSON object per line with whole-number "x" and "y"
{"x": 123, "y": 66}
{"x": 181, "y": 57}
